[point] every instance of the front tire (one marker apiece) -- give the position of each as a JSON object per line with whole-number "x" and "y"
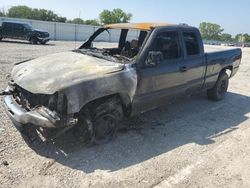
{"x": 43, "y": 43}
{"x": 33, "y": 40}
{"x": 98, "y": 124}
{"x": 219, "y": 90}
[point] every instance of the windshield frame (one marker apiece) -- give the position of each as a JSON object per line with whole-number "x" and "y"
{"x": 143, "y": 36}
{"x": 28, "y": 26}
{"x": 88, "y": 43}
{"x": 122, "y": 39}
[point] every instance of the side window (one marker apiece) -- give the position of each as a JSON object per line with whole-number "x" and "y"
{"x": 192, "y": 44}
{"x": 8, "y": 26}
{"x": 18, "y": 27}
{"x": 168, "y": 44}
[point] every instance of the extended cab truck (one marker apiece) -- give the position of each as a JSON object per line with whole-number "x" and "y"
{"x": 23, "y": 31}
{"x": 92, "y": 88}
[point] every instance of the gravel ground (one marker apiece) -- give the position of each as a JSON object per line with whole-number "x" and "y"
{"x": 190, "y": 143}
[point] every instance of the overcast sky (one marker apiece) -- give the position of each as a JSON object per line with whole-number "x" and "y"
{"x": 233, "y": 16}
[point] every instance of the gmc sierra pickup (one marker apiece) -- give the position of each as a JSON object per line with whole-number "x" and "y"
{"x": 92, "y": 88}
{"x": 23, "y": 31}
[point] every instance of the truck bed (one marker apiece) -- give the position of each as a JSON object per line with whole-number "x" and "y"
{"x": 219, "y": 60}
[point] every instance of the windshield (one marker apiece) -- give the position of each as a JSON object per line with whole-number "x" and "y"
{"x": 27, "y": 26}
{"x": 116, "y": 44}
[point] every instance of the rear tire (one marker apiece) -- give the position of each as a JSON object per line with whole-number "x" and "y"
{"x": 219, "y": 90}
{"x": 98, "y": 124}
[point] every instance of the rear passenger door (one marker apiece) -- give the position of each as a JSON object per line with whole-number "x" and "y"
{"x": 194, "y": 59}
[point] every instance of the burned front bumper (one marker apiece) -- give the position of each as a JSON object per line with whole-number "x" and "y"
{"x": 21, "y": 117}
{"x": 38, "y": 115}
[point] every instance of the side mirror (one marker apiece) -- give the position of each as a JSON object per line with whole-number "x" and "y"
{"x": 154, "y": 58}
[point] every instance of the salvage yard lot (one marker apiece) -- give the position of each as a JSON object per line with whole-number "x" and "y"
{"x": 192, "y": 142}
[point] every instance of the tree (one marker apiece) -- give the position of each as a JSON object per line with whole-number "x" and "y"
{"x": 85, "y": 22}
{"x": 114, "y": 16}
{"x": 239, "y": 37}
{"x": 106, "y": 16}
{"x": 20, "y": 12}
{"x": 210, "y": 31}
{"x": 246, "y": 37}
{"x": 91, "y": 22}
{"x": 242, "y": 37}
{"x": 36, "y": 14}
{"x": 2, "y": 12}
{"x": 47, "y": 15}
{"x": 76, "y": 21}
{"x": 61, "y": 19}
{"x": 226, "y": 37}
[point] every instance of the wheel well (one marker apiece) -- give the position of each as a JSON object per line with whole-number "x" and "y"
{"x": 228, "y": 70}
{"x": 32, "y": 37}
{"x": 123, "y": 98}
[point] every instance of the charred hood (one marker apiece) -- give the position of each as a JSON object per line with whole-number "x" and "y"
{"x": 48, "y": 74}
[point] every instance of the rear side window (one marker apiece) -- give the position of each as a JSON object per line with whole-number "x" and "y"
{"x": 191, "y": 42}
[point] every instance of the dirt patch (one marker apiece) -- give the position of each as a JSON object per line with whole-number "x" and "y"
{"x": 189, "y": 143}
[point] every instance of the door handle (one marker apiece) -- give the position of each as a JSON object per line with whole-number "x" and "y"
{"x": 183, "y": 69}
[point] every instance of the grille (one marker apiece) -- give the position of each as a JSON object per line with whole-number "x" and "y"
{"x": 29, "y": 100}
{"x": 45, "y": 35}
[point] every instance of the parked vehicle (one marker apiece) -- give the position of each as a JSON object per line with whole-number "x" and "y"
{"x": 23, "y": 31}
{"x": 92, "y": 88}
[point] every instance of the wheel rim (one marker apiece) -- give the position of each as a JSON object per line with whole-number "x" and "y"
{"x": 104, "y": 128}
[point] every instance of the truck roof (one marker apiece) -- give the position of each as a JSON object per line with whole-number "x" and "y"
{"x": 139, "y": 26}
{"x": 142, "y": 26}
{"x": 16, "y": 22}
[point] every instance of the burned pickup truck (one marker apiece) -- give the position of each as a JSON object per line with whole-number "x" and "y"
{"x": 92, "y": 88}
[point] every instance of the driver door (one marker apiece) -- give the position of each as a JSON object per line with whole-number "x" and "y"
{"x": 163, "y": 80}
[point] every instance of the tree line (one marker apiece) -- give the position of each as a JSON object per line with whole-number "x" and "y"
{"x": 209, "y": 31}
{"x": 106, "y": 16}
{"x": 212, "y": 31}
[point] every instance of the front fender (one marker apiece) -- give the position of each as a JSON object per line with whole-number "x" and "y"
{"x": 31, "y": 34}
{"x": 123, "y": 82}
